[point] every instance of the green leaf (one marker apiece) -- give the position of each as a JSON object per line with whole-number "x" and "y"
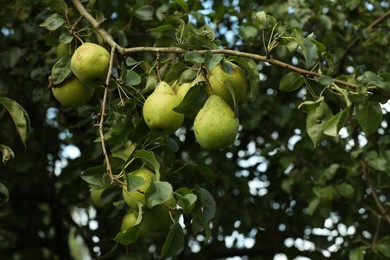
{"x": 316, "y": 121}
{"x": 357, "y": 253}
{"x": 211, "y": 60}
{"x": 61, "y": 70}
{"x": 313, "y": 205}
{"x": 175, "y": 70}
{"x": 309, "y": 105}
{"x": 208, "y": 204}
{"x": 8, "y": 154}
{"x": 158, "y": 192}
{"x": 325, "y": 80}
{"x": 291, "y": 81}
{"x": 376, "y": 161}
{"x": 369, "y": 116}
{"x": 133, "y": 181}
{"x": 186, "y": 199}
{"x": 187, "y": 75}
{"x": 193, "y": 100}
{"x": 261, "y": 18}
{"x": 4, "y": 193}
{"x": 19, "y": 116}
{"x": 53, "y": 22}
{"x": 372, "y": 79}
{"x": 66, "y": 38}
{"x": 193, "y": 57}
{"x": 130, "y": 61}
{"x": 145, "y": 13}
{"x": 128, "y": 236}
{"x": 336, "y": 122}
{"x": 94, "y": 176}
{"x": 345, "y": 190}
{"x": 384, "y": 249}
{"x": 174, "y": 241}
{"x": 183, "y": 4}
{"x": 58, "y": 6}
{"x": 150, "y": 160}
{"x": 132, "y": 78}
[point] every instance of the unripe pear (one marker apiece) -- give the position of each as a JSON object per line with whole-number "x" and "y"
{"x": 215, "y": 125}
{"x": 234, "y": 76}
{"x": 157, "y": 110}
{"x": 96, "y": 197}
{"x": 72, "y": 93}
{"x": 129, "y": 220}
{"x": 90, "y": 63}
{"x": 63, "y": 49}
{"x": 134, "y": 196}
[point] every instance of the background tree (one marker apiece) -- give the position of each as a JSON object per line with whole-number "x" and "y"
{"x": 318, "y": 75}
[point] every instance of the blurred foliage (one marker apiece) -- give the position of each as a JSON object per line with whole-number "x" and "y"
{"x": 274, "y": 193}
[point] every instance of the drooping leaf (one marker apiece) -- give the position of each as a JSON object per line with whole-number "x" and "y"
{"x": 316, "y": 121}
{"x": 369, "y": 116}
{"x": 94, "y": 176}
{"x": 193, "y": 57}
{"x": 19, "y": 116}
{"x": 150, "y": 160}
{"x": 325, "y": 80}
{"x": 193, "y": 100}
{"x": 186, "y": 199}
{"x": 174, "y": 241}
{"x": 291, "y": 81}
{"x": 336, "y": 122}
{"x": 145, "y": 13}
{"x": 208, "y": 204}
{"x": 128, "y": 236}
{"x": 61, "y": 70}
{"x": 58, "y": 6}
{"x": 212, "y": 60}
{"x": 53, "y": 22}
{"x": 158, "y": 192}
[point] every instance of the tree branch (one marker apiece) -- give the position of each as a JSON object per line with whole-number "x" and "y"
{"x": 108, "y": 39}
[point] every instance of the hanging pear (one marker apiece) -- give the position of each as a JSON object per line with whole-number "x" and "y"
{"x": 215, "y": 124}
{"x": 157, "y": 110}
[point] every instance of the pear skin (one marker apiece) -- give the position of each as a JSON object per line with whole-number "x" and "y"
{"x": 157, "y": 110}
{"x": 72, "y": 93}
{"x": 215, "y": 125}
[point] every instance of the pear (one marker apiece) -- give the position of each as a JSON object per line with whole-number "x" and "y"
{"x": 157, "y": 110}
{"x": 134, "y": 196}
{"x": 90, "y": 63}
{"x": 230, "y": 74}
{"x": 72, "y": 93}
{"x": 215, "y": 125}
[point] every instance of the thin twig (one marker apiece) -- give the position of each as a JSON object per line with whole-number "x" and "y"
{"x": 158, "y": 66}
{"x": 102, "y": 115}
{"x": 374, "y": 194}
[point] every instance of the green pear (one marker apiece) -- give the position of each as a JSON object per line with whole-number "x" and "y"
{"x": 157, "y": 110}
{"x": 155, "y": 220}
{"x": 181, "y": 92}
{"x": 215, "y": 125}
{"x": 129, "y": 220}
{"x": 72, "y": 93}
{"x": 63, "y": 49}
{"x": 90, "y": 63}
{"x": 234, "y": 76}
{"x": 96, "y": 197}
{"x": 133, "y": 197}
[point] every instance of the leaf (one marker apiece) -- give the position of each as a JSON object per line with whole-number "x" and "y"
{"x": 158, "y": 192}
{"x": 174, "y": 71}
{"x": 150, "y": 160}
{"x": 132, "y": 78}
{"x": 316, "y": 121}
{"x": 53, "y": 22}
{"x": 357, "y": 253}
{"x": 133, "y": 181}
{"x": 193, "y": 57}
{"x": 291, "y": 81}
{"x": 376, "y": 161}
{"x": 308, "y": 105}
{"x": 94, "y": 176}
{"x": 345, "y": 190}
{"x": 193, "y": 100}
{"x": 183, "y": 4}
{"x": 8, "y": 154}
{"x": 261, "y": 18}
{"x": 128, "y": 236}
{"x": 384, "y": 249}
{"x": 369, "y": 116}
{"x": 19, "y": 116}
{"x": 313, "y": 205}
{"x": 145, "y": 13}
{"x": 325, "y": 80}
{"x": 4, "y": 193}
{"x": 174, "y": 241}
{"x": 130, "y": 61}
{"x": 61, "y": 70}
{"x": 58, "y": 6}
{"x": 212, "y": 60}
{"x": 336, "y": 122}
{"x": 372, "y": 79}
{"x": 186, "y": 199}
{"x": 208, "y": 204}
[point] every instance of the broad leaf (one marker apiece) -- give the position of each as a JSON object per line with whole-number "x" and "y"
{"x": 291, "y": 81}
{"x": 174, "y": 241}
{"x": 132, "y": 78}
{"x": 145, "y": 13}
{"x": 193, "y": 57}
{"x": 316, "y": 121}
{"x": 158, "y": 192}
{"x": 150, "y": 160}
{"x": 61, "y": 70}
{"x": 193, "y": 100}
{"x": 94, "y": 176}
{"x": 212, "y": 60}
{"x": 128, "y": 236}
{"x": 53, "y": 22}
{"x": 19, "y": 116}
{"x": 369, "y": 116}
{"x": 336, "y": 122}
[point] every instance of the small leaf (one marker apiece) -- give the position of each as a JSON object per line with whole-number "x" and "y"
{"x": 130, "y": 61}
{"x": 208, "y": 204}
{"x": 53, "y": 22}
{"x": 369, "y": 116}
{"x": 357, "y": 253}
{"x": 384, "y": 249}
{"x": 193, "y": 57}
{"x": 19, "y": 116}
{"x": 175, "y": 70}
{"x": 183, "y": 4}
{"x": 4, "y": 193}
{"x": 261, "y": 18}
{"x": 174, "y": 241}
{"x": 186, "y": 199}
{"x": 158, "y": 192}
{"x": 133, "y": 181}
{"x": 316, "y": 121}
{"x": 132, "y": 78}
{"x": 313, "y": 205}
{"x": 94, "y": 176}
{"x": 193, "y": 100}
{"x": 7, "y": 152}
{"x": 308, "y": 105}
{"x": 145, "y": 13}
{"x": 128, "y": 236}
{"x": 58, "y": 6}
{"x": 345, "y": 190}
{"x": 61, "y": 70}
{"x": 150, "y": 160}
{"x": 212, "y": 60}
{"x": 336, "y": 122}
{"x": 325, "y": 80}
{"x": 291, "y": 81}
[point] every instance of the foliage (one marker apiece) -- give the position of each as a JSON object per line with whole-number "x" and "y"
{"x": 307, "y": 175}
